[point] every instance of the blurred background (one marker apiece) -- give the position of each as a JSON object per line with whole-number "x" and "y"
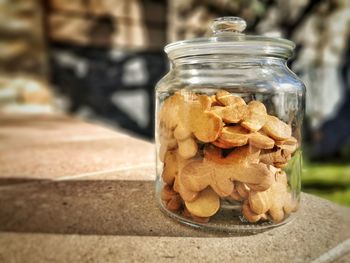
{"x": 100, "y": 60}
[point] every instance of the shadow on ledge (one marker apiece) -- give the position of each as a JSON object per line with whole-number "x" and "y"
{"x": 91, "y": 207}
{"x": 115, "y": 207}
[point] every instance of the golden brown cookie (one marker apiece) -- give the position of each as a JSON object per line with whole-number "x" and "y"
{"x": 289, "y": 146}
{"x": 277, "y": 129}
{"x": 276, "y": 201}
{"x": 172, "y": 199}
{"x": 261, "y": 141}
{"x": 219, "y": 172}
{"x": 233, "y": 109}
{"x": 169, "y": 111}
{"x": 206, "y": 204}
{"x": 228, "y": 99}
{"x": 187, "y": 148}
{"x": 233, "y": 136}
{"x": 255, "y": 117}
{"x": 170, "y": 168}
{"x": 235, "y": 195}
{"x": 205, "y": 125}
{"x": 242, "y": 189}
{"x": 250, "y": 215}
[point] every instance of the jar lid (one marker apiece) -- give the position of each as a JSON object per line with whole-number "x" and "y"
{"x": 228, "y": 39}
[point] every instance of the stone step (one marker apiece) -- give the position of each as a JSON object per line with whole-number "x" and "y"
{"x": 103, "y": 209}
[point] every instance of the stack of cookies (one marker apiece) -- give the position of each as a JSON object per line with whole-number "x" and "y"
{"x": 219, "y": 147}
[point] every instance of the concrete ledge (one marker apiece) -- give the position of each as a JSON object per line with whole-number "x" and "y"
{"x": 118, "y": 207}
{"x": 106, "y": 211}
{"x": 109, "y": 218}
{"x": 135, "y": 232}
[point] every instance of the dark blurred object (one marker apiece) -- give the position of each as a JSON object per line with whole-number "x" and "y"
{"x": 333, "y": 142}
{"x": 334, "y": 137}
{"x": 106, "y": 57}
{"x": 92, "y": 78}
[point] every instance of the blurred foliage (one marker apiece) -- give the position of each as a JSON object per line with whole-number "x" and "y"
{"x": 328, "y": 180}
{"x": 341, "y": 197}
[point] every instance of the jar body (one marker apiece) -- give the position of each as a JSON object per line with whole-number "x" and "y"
{"x": 228, "y": 136}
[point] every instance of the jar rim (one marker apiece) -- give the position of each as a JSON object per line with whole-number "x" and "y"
{"x": 229, "y": 44}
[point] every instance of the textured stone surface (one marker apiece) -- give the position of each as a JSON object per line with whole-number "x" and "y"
{"x": 136, "y": 232}
{"x": 23, "y": 129}
{"x": 77, "y": 209}
{"x": 47, "y": 148}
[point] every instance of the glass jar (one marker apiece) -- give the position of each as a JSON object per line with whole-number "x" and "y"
{"x": 228, "y": 131}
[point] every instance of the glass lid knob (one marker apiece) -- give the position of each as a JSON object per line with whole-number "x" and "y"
{"x": 228, "y": 24}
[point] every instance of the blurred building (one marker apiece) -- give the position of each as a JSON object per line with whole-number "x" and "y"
{"x": 23, "y": 58}
{"x": 104, "y": 57}
{"x": 322, "y": 57}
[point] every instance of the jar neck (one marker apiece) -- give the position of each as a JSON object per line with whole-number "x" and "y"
{"x": 225, "y": 61}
